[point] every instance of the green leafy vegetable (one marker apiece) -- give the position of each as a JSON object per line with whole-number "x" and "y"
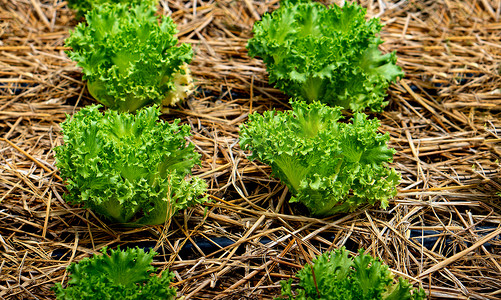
{"x": 120, "y": 275}
{"x": 129, "y": 168}
{"x": 83, "y": 6}
{"x": 129, "y": 59}
{"x": 325, "y": 54}
{"x": 327, "y": 165}
{"x": 335, "y": 276}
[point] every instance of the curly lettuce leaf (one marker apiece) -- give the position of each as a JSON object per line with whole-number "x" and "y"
{"x": 128, "y": 168}
{"x": 325, "y": 54}
{"x": 119, "y": 275}
{"x": 335, "y": 276}
{"x": 129, "y": 59}
{"x": 327, "y": 165}
{"x": 83, "y": 6}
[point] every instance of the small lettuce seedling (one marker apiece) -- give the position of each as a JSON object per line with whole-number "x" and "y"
{"x": 129, "y": 168}
{"x": 327, "y": 165}
{"x": 119, "y": 275}
{"x": 328, "y": 54}
{"x": 335, "y": 276}
{"x": 129, "y": 59}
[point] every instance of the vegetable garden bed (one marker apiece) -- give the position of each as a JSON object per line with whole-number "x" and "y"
{"x": 442, "y": 231}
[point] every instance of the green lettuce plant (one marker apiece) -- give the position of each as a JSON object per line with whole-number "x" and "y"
{"x": 328, "y": 54}
{"x": 119, "y": 275}
{"x": 329, "y": 166}
{"x": 129, "y": 168}
{"x": 83, "y": 6}
{"x": 335, "y": 276}
{"x": 129, "y": 59}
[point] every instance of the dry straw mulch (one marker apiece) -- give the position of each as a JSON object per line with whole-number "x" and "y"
{"x": 442, "y": 231}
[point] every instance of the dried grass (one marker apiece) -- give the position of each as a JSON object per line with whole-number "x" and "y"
{"x": 444, "y": 120}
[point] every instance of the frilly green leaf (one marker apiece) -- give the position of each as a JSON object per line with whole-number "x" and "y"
{"x": 83, "y": 6}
